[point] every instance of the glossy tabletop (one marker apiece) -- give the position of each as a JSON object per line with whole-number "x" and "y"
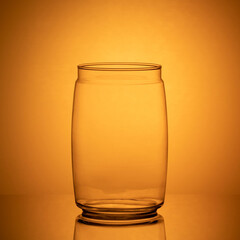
{"x": 182, "y": 217}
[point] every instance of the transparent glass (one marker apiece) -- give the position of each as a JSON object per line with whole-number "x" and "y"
{"x": 119, "y": 142}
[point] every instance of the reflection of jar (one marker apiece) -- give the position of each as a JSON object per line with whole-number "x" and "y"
{"x": 119, "y": 142}
{"x": 153, "y": 231}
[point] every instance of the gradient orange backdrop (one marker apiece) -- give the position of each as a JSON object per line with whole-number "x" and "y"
{"x": 196, "y": 42}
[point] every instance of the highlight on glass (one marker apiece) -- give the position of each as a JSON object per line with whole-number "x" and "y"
{"x": 119, "y": 142}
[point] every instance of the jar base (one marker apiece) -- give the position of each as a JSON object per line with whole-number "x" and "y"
{"x": 119, "y": 212}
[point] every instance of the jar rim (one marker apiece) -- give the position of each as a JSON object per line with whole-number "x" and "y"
{"x": 119, "y": 66}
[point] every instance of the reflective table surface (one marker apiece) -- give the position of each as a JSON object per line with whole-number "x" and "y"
{"x": 182, "y": 217}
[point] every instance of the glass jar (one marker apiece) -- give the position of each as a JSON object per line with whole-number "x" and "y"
{"x": 119, "y": 142}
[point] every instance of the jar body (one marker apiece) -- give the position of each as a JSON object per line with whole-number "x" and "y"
{"x": 119, "y": 144}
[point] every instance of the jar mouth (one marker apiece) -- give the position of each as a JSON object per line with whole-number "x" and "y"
{"x": 119, "y": 66}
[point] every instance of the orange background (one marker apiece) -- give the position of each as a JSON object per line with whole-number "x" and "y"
{"x": 196, "y": 42}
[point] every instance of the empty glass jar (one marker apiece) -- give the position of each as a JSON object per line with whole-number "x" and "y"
{"x": 119, "y": 142}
